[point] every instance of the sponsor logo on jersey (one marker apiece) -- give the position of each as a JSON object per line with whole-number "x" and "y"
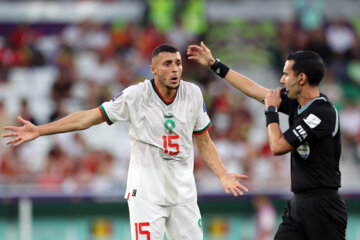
{"x": 169, "y": 115}
{"x": 312, "y": 120}
{"x": 304, "y": 150}
{"x": 134, "y": 193}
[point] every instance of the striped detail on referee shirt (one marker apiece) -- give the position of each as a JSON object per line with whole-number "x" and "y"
{"x": 336, "y": 129}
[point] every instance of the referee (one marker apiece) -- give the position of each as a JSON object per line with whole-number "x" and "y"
{"x": 316, "y": 211}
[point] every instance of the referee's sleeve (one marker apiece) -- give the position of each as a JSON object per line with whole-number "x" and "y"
{"x": 297, "y": 134}
{"x": 319, "y": 124}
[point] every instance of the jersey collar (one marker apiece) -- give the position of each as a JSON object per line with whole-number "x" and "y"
{"x": 159, "y": 94}
{"x": 301, "y": 110}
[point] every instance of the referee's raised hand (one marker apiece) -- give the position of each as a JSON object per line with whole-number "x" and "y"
{"x": 22, "y": 134}
{"x": 201, "y": 54}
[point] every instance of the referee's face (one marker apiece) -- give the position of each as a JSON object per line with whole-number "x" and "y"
{"x": 291, "y": 81}
{"x": 167, "y": 69}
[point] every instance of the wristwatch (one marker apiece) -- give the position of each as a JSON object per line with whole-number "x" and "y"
{"x": 271, "y": 109}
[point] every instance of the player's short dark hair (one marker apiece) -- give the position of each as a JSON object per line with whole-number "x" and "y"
{"x": 164, "y": 48}
{"x": 310, "y": 63}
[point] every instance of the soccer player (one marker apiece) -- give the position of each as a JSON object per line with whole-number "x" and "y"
{"x": 165, "y": 114}
{"x": 317, "y": 211}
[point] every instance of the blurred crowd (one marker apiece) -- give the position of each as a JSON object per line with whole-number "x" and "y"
{"x": 46, "y": 76}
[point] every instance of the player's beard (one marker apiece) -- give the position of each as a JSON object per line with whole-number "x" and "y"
{"x": 172, "y": 87}
{"x": 162, "y": 82}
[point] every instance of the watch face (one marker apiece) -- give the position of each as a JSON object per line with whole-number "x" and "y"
{"x": 271, "y": 109}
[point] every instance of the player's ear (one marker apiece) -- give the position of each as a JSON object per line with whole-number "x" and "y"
{"x": 153, "y": 69}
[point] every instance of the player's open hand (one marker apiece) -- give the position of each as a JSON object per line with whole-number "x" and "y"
{"x": 201, "y": 54}
{"x": 231, "y": 184}
{"x": 22, "y": 134}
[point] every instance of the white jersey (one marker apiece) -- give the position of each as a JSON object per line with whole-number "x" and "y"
{"x": 161, "y": 136}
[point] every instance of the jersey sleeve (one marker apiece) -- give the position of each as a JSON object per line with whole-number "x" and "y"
{"x": 117, "y": 109}
{"x": 318, "y": 123}
{"x": 202, "y": 123}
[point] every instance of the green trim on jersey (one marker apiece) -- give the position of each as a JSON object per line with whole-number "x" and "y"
{"x": 105, "y": 116}
{"x": 159, "y": 94}
{"x": 204, "y": 129}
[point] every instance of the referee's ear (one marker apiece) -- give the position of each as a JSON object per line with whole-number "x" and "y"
{"x": 303, "y": 79}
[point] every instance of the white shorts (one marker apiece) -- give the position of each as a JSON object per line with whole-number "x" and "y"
{"x": 150, "y": 222}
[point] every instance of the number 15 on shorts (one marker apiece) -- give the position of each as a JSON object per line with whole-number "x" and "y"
{"x": 140, "y": 231}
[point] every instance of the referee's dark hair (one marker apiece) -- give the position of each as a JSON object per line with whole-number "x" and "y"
{"x": 164, "y": 48}
{"x": 310, "y": 63}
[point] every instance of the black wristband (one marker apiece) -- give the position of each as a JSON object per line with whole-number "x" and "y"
{"x": 271, "y": 117}
{"x": 219, "y": 68}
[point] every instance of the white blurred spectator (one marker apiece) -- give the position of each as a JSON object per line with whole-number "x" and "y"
{"x": 72, "y": 144}
{"x": 340, "y": 37}
{"x": 179, "y": 37}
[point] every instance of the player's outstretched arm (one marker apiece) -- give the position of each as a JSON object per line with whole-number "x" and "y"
{"x": 229, "y": 181}
{"x": 73, "y": 122}
{"x": 203, "y": 55}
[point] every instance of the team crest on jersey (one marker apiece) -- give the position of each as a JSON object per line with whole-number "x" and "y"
{"x": 169, "y": 125}
{"x": 304, "y": 150}
{"x": 312, "y": 120}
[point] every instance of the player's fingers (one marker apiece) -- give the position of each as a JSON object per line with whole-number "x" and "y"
{"x": 12, "y": 134}
{"x": 242, "y": 188}
{"x": 23, "y": 121}
{"x": 233, "y": 192}
{"x": 241, "y": 176}
{"x": 239, "y": 191}
{"x": 10, "y": 128}
{"x": 13, "y": 140}
{"x": 227, "y": 190}
{"x": 18, "y": 143}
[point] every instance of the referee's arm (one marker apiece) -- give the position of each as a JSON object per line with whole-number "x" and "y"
{"x": 278, "y": 144}
{"x": 73, "y": 122}
{"x": 203, "y": 55}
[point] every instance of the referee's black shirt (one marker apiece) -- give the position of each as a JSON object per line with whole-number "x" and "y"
{"x": 314, "y": 132}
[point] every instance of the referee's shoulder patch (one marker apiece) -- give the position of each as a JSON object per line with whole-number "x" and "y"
{"x": 312, "y": 121}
